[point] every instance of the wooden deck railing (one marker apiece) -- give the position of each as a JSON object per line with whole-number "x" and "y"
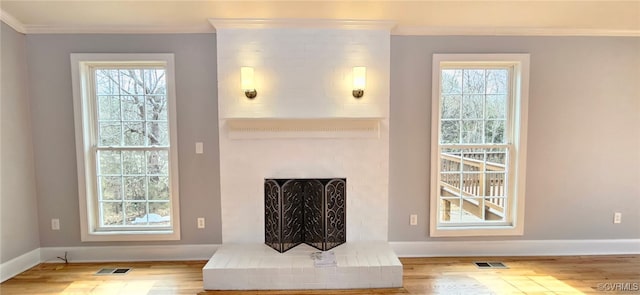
{"x": 474, "y": 185}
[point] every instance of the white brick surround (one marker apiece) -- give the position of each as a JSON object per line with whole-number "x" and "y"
{"x": 302, "y": 72}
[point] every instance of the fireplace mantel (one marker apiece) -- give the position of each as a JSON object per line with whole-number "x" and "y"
{"x": 256, "y": 128}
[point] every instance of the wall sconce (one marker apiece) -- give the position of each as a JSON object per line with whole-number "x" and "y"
{"x": 247, "y": 82}
{"x": 359, "y": 81}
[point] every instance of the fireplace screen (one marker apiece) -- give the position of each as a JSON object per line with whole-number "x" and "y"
{"x": 310, "y": 211}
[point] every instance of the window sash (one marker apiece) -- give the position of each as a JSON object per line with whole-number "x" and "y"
{"x": 508, "y": 195}
{"x": 99, "y": 200}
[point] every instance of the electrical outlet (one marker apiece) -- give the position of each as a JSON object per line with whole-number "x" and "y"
{"x": 413, "y": 219}
{"x": 617, "y": 217}
{"x": 199, "y": 148}
{"x": 200, "y": 222}
{"x": 55, "y": 224}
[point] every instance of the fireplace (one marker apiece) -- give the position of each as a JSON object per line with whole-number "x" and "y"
{"x": 310, "y": 211}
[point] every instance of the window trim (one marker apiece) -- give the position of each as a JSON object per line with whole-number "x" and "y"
{"x": 518, "y": 114}
{"x": 84, "y": 114}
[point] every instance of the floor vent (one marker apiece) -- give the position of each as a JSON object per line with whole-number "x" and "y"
{"x": 113, "y": 271}
{"x": 484, "y": 264}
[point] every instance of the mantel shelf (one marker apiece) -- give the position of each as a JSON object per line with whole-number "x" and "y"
{"x": 343, "y": 127}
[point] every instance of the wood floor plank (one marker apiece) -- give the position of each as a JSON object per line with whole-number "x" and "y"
{"x": 440, "y": 275}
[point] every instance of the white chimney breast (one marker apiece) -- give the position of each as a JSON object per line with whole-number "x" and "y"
{"x": 303, "y": 72}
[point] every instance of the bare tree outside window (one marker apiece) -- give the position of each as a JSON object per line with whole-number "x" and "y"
{"x": 132, "y": 147}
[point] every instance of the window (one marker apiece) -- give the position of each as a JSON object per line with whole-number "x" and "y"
{"x": 124, "y": 108}
{"x": 479, "y": 119}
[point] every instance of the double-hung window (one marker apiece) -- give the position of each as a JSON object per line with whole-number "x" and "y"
{"x": 479, "y": 119}
{"x": 124, "y": 107}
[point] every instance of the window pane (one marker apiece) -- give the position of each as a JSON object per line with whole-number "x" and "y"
{"x": 472, "y": 210}
{"x": 133, "y": 162}
{"x": 494, "y": 131}
{"x": 472, "y": 131}
{"x": 472, "y": 106}
{"x": 154, "y": 81}
{"x": 132, "y": 108}
{"x": 495, "y": 184}
{"x": 157, "y": 108}
{"x": 158, "y": 133}
{"x": 497, "y": 81}
{"x": 158, "y": 188}
{"x": 450, "y": 162}
{"x": 107, "y": 82}
{"x": 131, "y": 81}
{"x": 496, "y": 106}
{"x": 451, "y": 106}
{"x": 109, "y": 162}
{"x": 498, "y": 158}
{"x": 159, "y": 213}
{"x": 450, "y": 184}
{"x": 473, "y": 82}
{"x": 133, "y": 134}
{"x": 495, "y": 209}
{"x": 450, "y": 210}
{"x": 110, "y": 187}
{"x": 473, "y": 160}
{"x": 134, "y": 188}
{"x": 158, "y": 163}
{"x": 471, "y": 184}
{"x": 112, "y": 213}
{"x": 136, "y": 213}
{"x": 450, "y": 132}
{"x": 451, "y": 81}
{"x": 108, "y": 108}
{"x": 109, "y": 134}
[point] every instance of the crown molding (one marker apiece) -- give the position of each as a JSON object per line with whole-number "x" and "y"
{"x": 219, "y": 23}
{"x": 348, "y": 24}
{"x": 118, "y": 29}
{"x": 508, "y": 31}
{"x": 12, "y": 22}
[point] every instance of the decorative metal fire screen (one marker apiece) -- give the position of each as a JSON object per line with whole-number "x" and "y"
{"x": 310, "y": 211}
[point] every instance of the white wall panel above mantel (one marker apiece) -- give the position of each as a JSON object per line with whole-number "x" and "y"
{"x": 303, "y": 68}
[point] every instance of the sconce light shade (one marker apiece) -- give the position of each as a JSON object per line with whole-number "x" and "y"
{"x": 247, "y": 81}
{"x": 359, "y": 81}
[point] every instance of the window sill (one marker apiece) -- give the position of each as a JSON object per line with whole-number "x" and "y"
{"x": 131, "y": 236}
{"x": 476, "y": 231}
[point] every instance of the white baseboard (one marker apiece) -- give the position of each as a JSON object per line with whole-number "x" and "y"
{"x": 129, "y": 253}
{"x": 516, "y": 248}
{"x": 19, "y": 264}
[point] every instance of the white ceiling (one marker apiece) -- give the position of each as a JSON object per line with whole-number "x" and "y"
{"x": 443, "y": 17}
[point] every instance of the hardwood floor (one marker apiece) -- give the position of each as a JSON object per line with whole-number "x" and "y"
{"x": 525, "y": 275}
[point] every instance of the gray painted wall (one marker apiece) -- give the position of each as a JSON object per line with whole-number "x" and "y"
{"x": 584, "y": 134}
{"x": 583, "y": 150}
{"x": 18, "y": 206}
{"x": 53, "y": 124}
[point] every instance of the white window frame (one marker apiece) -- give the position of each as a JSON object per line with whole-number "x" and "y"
{"x": 85, "y": 116}
{"x": 517, "y": 115}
